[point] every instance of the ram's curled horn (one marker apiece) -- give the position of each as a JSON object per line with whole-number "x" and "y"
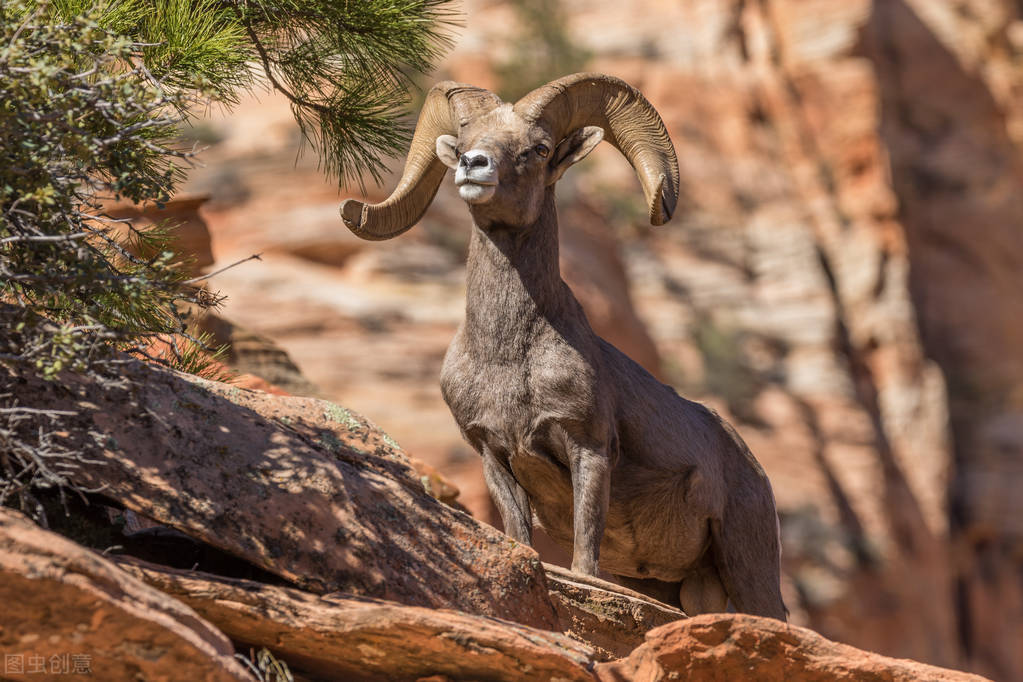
{"x": 629, "y": 121}
{"x": 448, "y": 105}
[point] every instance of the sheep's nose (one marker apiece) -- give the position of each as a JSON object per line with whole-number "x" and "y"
{"x": 475, "y": 159}
{"x": 476, "y": 170}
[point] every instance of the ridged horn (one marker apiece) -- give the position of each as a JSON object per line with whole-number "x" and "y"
{"x": 629, "y": 121}
{"x": 448, "y": 105}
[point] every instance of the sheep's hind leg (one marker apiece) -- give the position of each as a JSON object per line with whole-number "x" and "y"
{"x": 747, "y": 558}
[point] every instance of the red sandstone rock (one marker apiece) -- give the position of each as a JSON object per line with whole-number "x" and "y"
{"x": 300, "y": 487}
{"x": 341, "y": 637}
{"x": 610, "y": 618}
{"x": 250, "y": 381}
{"x": 68, "y": 611}
{"x": 434, "y": 482}
{"x": 255, "y": 356}
{"x": 720, "y": 647}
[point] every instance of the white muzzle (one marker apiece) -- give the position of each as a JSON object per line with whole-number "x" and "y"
{"x": 476, "y": 176}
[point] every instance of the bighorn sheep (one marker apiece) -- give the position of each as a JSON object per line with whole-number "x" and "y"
{"x": 616, "y": 466}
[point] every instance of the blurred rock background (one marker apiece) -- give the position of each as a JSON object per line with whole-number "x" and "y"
{"x": 842, "y": 280}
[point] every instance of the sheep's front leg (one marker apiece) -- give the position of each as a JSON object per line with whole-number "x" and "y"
{"x": 591, "y": 488}
{"x": 510, "y": 497}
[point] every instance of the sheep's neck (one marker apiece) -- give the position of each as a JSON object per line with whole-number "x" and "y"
{"x": 514, "y": 285}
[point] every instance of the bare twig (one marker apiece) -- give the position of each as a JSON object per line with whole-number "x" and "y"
{"x": 44, "y": 238}
{"x": 255, "y": 256}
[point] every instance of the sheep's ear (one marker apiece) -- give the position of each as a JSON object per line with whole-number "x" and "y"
{"x": 573, "y": 149}
{"x": 446, "y": 150}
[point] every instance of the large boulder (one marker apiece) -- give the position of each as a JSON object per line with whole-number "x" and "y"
{"x": 254, "y": 354}
{"x": 340, "y": 637}
{"x": 721, "y": 646}
{"x": 67, "y": 610}
{"x": 299, "y": 487}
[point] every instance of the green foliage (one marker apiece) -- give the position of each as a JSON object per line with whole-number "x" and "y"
{"x": 80, "y": 122}
{"x": 347, "y": 67}
{"x": 93, "y": 97}
{"x": 541, "y": 51}
{"x": 184, "y": 43}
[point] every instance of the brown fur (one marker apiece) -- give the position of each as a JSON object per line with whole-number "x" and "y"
{"x": 617, "y": 467}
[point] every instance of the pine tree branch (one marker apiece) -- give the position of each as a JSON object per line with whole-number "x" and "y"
{"x": 268, "y": 68}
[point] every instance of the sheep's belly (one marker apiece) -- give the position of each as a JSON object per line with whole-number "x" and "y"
{"x": 663, "y": 548}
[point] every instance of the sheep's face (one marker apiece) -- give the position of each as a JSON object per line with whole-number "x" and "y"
{"x": 503, "y": 164}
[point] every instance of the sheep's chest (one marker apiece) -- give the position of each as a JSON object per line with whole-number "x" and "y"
{"x": 513, "y": 408}
{"x": 512, "y": 416}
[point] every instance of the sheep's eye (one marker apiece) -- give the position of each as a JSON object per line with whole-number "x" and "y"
{"x": 542, "y": 150}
